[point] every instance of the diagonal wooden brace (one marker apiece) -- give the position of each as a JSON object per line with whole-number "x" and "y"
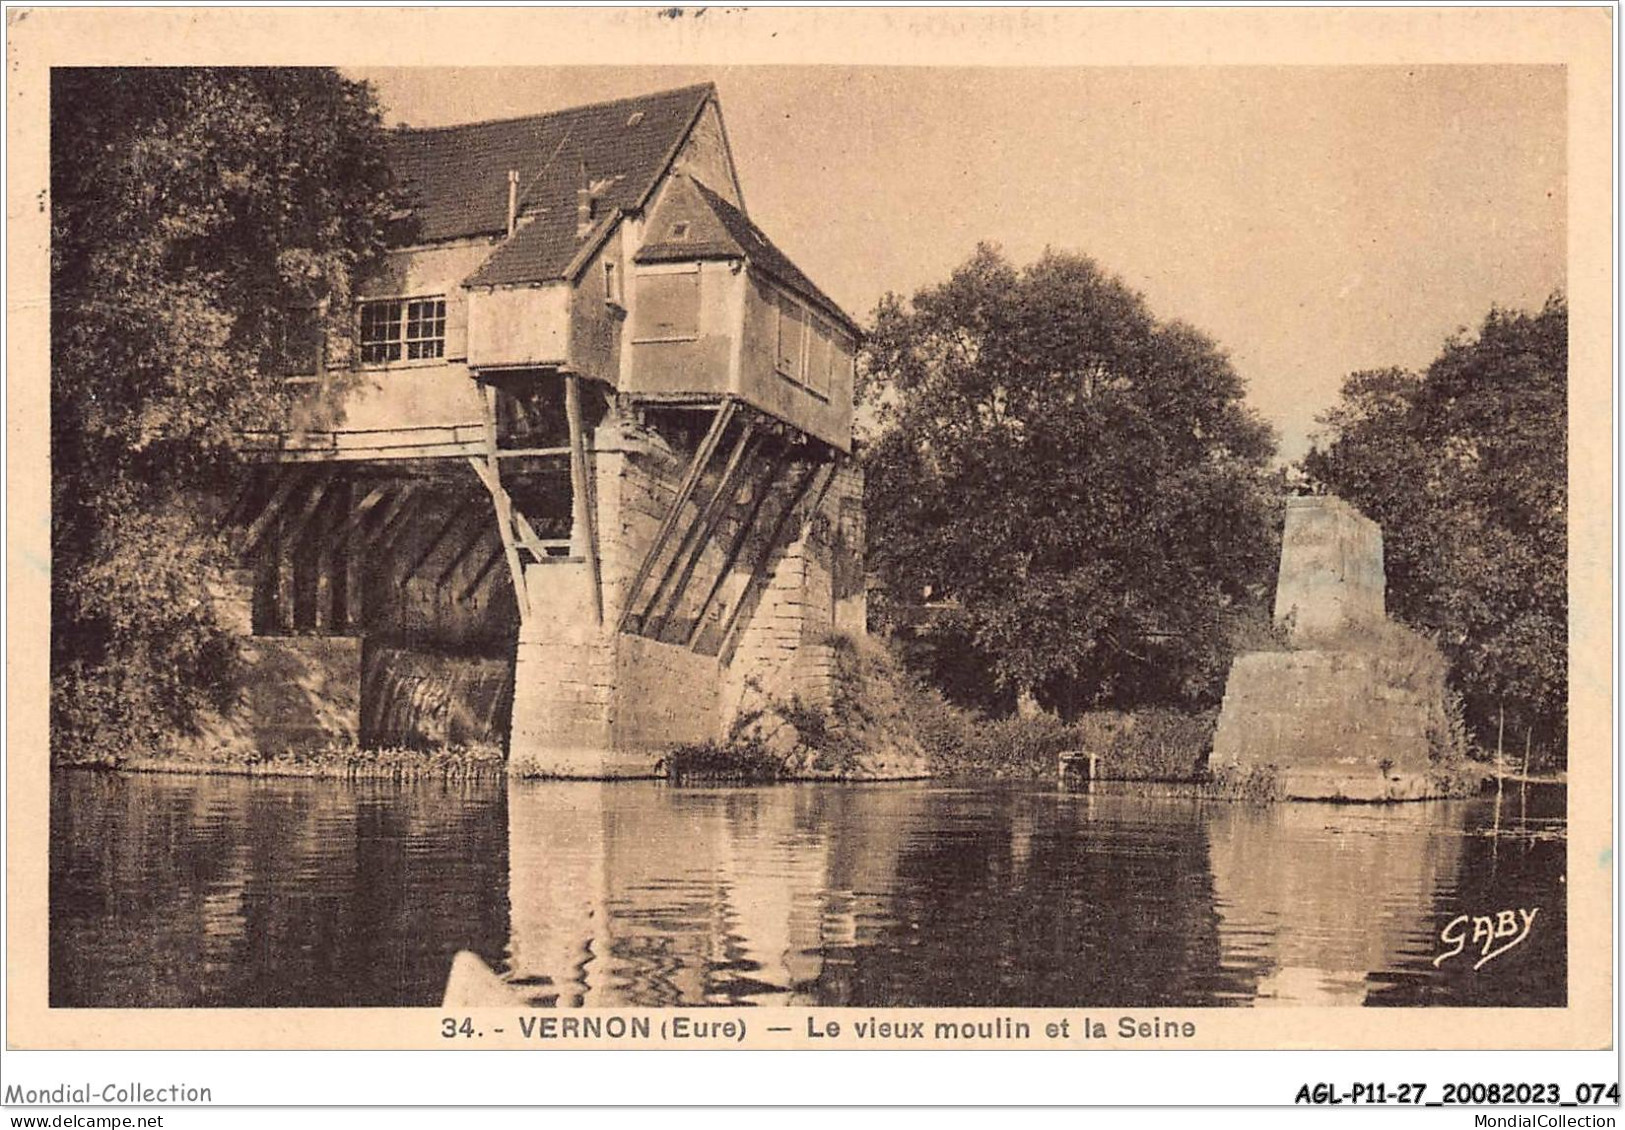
{"x": 663, "y": 603}
{"x": 685, "y": 490}
{"x": 763, "y": 490}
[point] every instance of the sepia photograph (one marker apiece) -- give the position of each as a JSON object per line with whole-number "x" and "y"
{"x": 641, "y": 536}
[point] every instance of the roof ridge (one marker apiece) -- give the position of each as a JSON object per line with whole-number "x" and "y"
{"x": 799, "y": 280}
{"x": 708, "y": 86}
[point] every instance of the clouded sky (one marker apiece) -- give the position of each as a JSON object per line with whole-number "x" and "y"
{"x": 1312, "y": 220}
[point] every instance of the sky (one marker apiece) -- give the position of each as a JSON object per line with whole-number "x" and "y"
{"x": 1314, "y": 221}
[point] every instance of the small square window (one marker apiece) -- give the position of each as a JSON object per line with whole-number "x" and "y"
{"x": 300, "y": 342}
{"x": 425, "y": 329}
{"x": 380, "y": 332}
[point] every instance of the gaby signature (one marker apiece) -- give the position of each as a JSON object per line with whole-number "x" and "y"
{"x": 1492, "y": 934}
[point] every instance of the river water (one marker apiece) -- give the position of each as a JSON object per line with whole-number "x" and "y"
{"x": 177, "y": 891}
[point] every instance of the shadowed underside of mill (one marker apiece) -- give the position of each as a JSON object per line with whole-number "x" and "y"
{"x": 585, "y": 484}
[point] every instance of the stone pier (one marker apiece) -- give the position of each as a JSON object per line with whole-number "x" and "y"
{"x": 1354, "y": 708}
{"x": 740, "y": 607}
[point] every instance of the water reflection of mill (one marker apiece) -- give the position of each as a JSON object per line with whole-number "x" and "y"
{"x": 933, "y": 897}
{"x": 218, "y": 891}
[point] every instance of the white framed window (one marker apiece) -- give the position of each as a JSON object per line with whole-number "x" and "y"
{"x": 667, "y": 305}
{"x": 403, "y": 329}
{"x": 612, "y": 283}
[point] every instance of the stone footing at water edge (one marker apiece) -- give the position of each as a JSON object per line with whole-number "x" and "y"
{"x": 1333, "y": 725}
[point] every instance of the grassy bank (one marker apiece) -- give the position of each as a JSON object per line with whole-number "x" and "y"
{"x": 880, "y": 725}
{"x": 863, "y": 733}
{"x": 346, "y": 763}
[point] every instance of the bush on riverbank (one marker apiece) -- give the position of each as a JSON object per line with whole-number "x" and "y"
{"x": 1154, "y": 744}
{"x": 864, "y": 734}
{"x": 734, "y": 761}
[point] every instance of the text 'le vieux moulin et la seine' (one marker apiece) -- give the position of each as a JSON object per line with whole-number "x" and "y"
{"x": 848, "y": 1029}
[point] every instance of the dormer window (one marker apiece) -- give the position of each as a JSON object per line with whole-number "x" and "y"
{"x": 396, "y": 329}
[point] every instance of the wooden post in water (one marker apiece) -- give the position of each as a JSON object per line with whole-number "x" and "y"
{"x": 1523, "y": 785}
{"x": 1075, "y": 765}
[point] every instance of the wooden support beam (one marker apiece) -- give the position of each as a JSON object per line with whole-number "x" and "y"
{"x": 524, "y": 532}
{"x": 758, "y": 573}
{"x": 738, "y": 542}
{"x": 531, "y": 452}
{"x": 283, "y": 613}
{"x": 384, "y": 534}
{"x": 359, "y": 513}
{"x": 498, "y": 551}
{"x": 241, "y": 499}
{"x": 296, "y": 553}
{"x": 355, "y": 582}
{"x": 692, "y": 547}
{"x": 458, "y": 516}
{"x": 272, "y": 513}
{"x": 327, "y": 616}
{"x": 460, "y": 556}
{"x": 696, "y": 466}
{"x": 503, "y": 505}
{"x": 293, "y": 528}
{"x": 583, "y": 527}
{"x": 373, "y": 524}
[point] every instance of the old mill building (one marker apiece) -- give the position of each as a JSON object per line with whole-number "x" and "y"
{"x": 589, "y": 486}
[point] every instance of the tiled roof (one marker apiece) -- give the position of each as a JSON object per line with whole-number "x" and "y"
{"x": 458, "y": 175}
{"x": 723, "y": 231}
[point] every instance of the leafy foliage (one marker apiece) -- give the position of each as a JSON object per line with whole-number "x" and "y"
{"x": 1066, "y": 496}
{"x": 1465, "y": 467}
{"x": 191, "y": 211}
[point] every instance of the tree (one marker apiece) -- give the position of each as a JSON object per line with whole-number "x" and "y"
{"x": 1074, "y": 487}
{"x": 194, "y": 214}
{"x": 1465, "y": 467}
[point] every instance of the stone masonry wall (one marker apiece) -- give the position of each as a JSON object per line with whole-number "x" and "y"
{"x": 302, "y": 693}
{"x": 815, "y": 590}
{"x": 1332, "y": 723}
{"x": 1357, "y": 707}
{"x": 1331, "y": 573}
{"x": 564, "y": 679}
{"x": 589, "y": 701}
